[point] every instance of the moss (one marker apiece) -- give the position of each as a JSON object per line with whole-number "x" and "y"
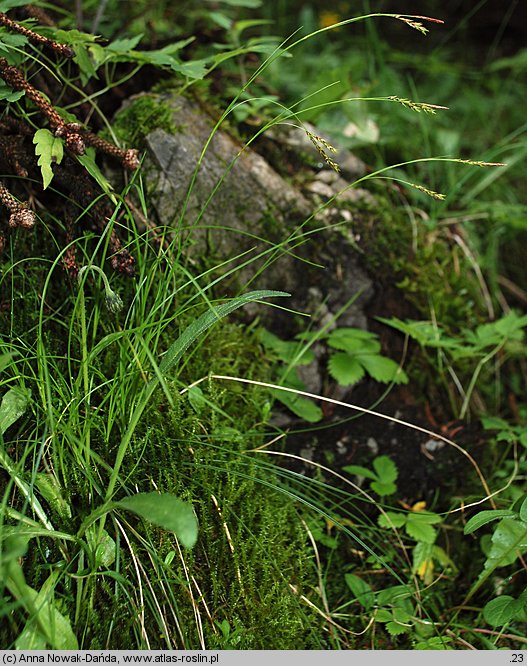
{"x": 425, "y": 264}
{"x": 141, "y": 116}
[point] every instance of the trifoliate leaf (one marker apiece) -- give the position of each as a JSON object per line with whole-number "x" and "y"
{"x": 345, "y": 369}
{"x": 383, "y": 369}
{"x": 51, "y": 151}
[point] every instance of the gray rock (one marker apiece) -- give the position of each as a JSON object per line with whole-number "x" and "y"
{"x": 236, "y": 203}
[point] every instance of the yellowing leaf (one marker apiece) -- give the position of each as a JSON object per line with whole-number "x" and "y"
{"x": 419, "y": 506}
{"x": 425, "y": 571}
{"x": 51, "y": 151}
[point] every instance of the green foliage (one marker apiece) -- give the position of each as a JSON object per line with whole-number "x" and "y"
{"x": 165, "y": 511}
{"x": 383, "y": 475}
{"x": 140, "y": 117}
{"x": 359, "y": 355}
{"x": 50, "y": 150}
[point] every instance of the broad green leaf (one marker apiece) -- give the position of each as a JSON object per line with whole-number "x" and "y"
{"x": 523, "y": 511}
{"x": 5, "y": 360}
{"x": 509, "y": 540}
{"x": 383, "y": 369}
{"x": 358, "y": 470}
{"x": 353, "y": 340}
{"x": 51, "y": 491}
{"x": 8, "y": 94}
{"x": 165, "y": 511}
{"x": 398, "y": 595}
{"x": 13, "y": 406}
{"x": 420, "y": 530}
{"x": 103, "y": 547}
{"x": 502, "y": 610}
{"x": 50, "y": 150}
{"x": 391, "y": 520}
{"x": 193, "y": 69}
{"x": 45, "y": 623}
{"x": 196, "y": 398}
{"x": 6, "y": 5}
{"x": 494, "y": 423}
{"x": 362, "y": 591}
{"x": 124, "y": 45}
{"x": 386, "y": 469}
{"x": 383, "y": 489}
{"x": 345, "y": 369}
{"x": 292, "y": 353}
{"x": 423, "y": 561}
{"x": 484, "y": 517}
{"x": 396, "y": 629}
{"x": 303, "y": 407}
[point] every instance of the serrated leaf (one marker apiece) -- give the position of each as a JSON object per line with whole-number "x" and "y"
{"x": 353, "y": 340}
{"x": 485, "y": 517}
{"x": 384, "y": 615}
{"x": 383, "y": 369}
{"x": 494, "y": 423}
{"x": 391, "y": 520}
{"x": 292, "y": 353}
{"x": 51, "y": 151}
{"x": 383, "y": 489}
{"x": 362, "y": 591}
{"x": 386, "y": 469}
{"x": 502, "y": 610}
{"x": 358, "y": 470}
{"x": 345, "y": 369}
{"x": 420, "y": 530}
{"x": 193, "y": 69}
{"x": 13, "y": 406}
{"x": 124, "y": 45}
{"x": 165, "y": 511}
{"x": 395, "y": 629}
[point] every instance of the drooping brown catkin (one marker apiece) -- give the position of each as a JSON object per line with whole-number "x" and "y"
{"x": 69, "y": 131}
{"x": 129, "y": 158}
{"x": 21, "y": 215}
{"x": 35, "y": 38}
